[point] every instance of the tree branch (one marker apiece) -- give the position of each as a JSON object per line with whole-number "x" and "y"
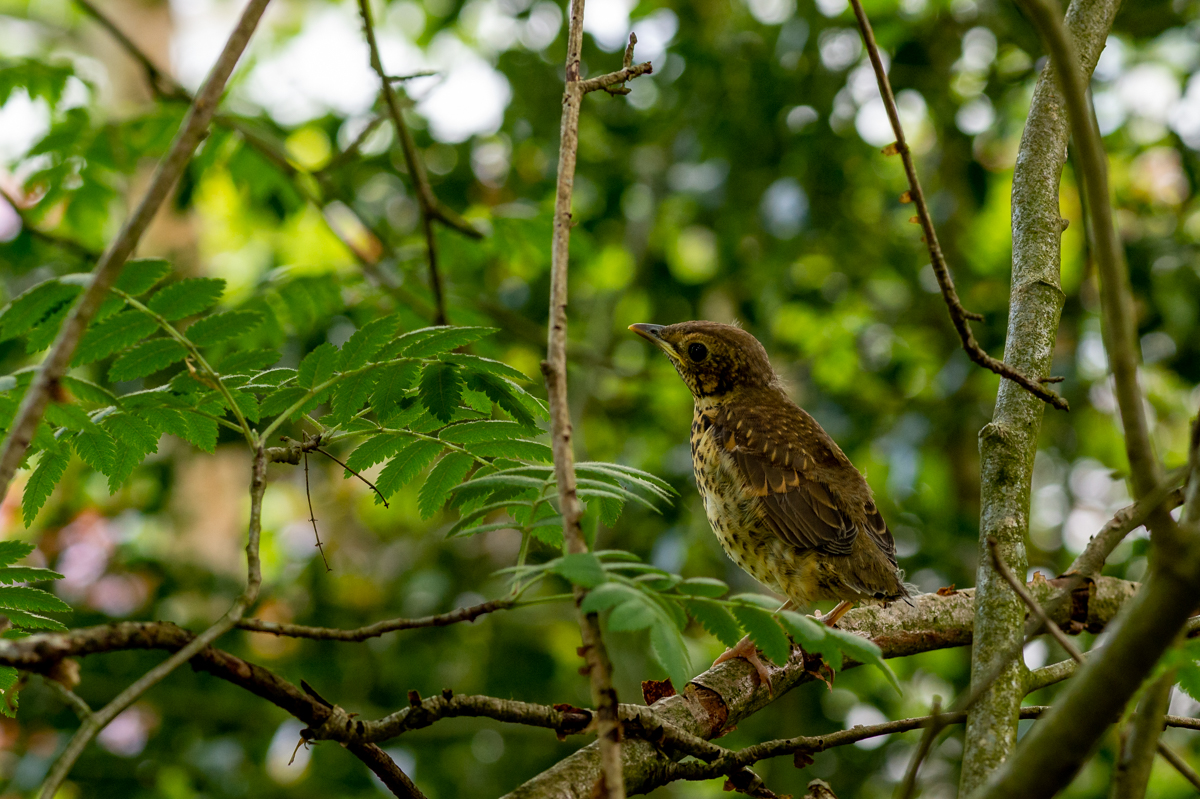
{"x": 378, "y": 628}
{"x": 959, "y": 315}
{"x": 191, "y": 131}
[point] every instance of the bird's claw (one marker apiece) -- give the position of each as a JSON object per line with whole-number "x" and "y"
{"x": 746, "y": 650}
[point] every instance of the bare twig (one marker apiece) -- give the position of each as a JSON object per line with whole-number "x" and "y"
{"x": 352, "y": 150}
{"x": 1034, "y": 608}
{"x": 161, "y": 83}
{"x": 74, "y": 700}
{"x": 191, "y": 131}
{"x": 368, "y": 483}
{"x": 431, "y": 208}
{"x": 312, "y": 517}
{"x": 100, "y": 718}
{"x": 1181, "y": 765}
{"x": 381, "y": 763}
{"x": 378, "y": 628}
{"x": 938, "y": 722}
{"x": 959, "y": 315}
{"x": 612, "y": 780}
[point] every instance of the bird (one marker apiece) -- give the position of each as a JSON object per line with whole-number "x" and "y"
{"x": 785, "y": 502}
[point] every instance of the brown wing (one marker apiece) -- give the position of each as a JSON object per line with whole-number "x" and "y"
{"x": 803, "y": 479}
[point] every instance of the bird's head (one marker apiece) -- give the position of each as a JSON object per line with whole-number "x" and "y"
{"x": 712, "y": 358}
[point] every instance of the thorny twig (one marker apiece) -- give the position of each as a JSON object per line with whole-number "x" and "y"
{"x": 368, "y": 483}
{"x": 959, "y": 315}
{"x": 378, "y": 628}
{"x": 312, "y": 517}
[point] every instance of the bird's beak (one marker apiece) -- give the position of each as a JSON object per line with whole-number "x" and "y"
{"x": 653, "y": 334}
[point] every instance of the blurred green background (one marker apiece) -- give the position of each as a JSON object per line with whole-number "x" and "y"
{"x": 743, "y": 180}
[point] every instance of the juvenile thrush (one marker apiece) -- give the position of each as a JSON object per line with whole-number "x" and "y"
{"x": 786, "y": 503}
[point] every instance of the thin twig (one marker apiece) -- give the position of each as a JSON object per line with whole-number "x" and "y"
{"x": 1181, "y": 765}
{"x": 191, "y": 131}
{"x": 1036, "y": 609}
{"x": 312, "y": 517}
{"x": 424, "y": 73}
{"x": 938, "y": 721}
{"x": 74, "y": 700}
{"x": 378, "y": 628}
{"x": 369, "y": 484}
{"x": 381, "y": 763}
{"x": 351, "y": 152}
{"x": 959, "y": 315}
{"x": 99, "y": 719}
{"x": 161, "y": 83}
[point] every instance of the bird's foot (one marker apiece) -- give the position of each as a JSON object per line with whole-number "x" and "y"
{"x": 746, "y": 650}
{"x": 820, "y": 672}
{"x": 834, "y": 616}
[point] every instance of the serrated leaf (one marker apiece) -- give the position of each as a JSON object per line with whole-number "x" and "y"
{"x": 280, "y": 400}
{"x": 443, "y": 477}
{"x": 49, "y": 471}
{"x": 33, "y": 600}
{"x": 188, "y": 297}
{"x": 766, "y": 633}
{"x": 95, "y": 448}
{"x": 351, "y": 394}
{"x": 200, "y": 431}
{"x": 146, "y": 359}
{"x": 246, "y": 402}
{"x": 141, "y": 274}
{"x": 508, "y": 396}
{"x": 27, "y": 574}
{"x": 223, "y": 327}
{"x": 474, "y": 363}
{"x": 375, "y": 449}
{"x": 365, "y": 343}
{"x": 430, "y": 341}
{"x": 68, "y": 415}
{"x": 864, "y": 651}
{"x": 8, "y": 679}
{"x": 32, "y": 306}
{"x": 87, "y": 391}
{"x": 440, "y": 390}
{"x": 607, "y": 595}
{"x": 1189, "y": 678}
{"x": 12, "y": 551}
{"x": 391, "y": 389}
{"x": 33, "y": 621}
{"x": 243, "y": 361}
{"x": 702, "y": 586}
{"x": 670, "y": 651}
{"x": 808, "y": 633}
{"x": 758, "y": 600}
{"x": 137, "y": 439}
{"x": 550, "y": 533}
{"x": 317, "y": 366}
{"x": 610, "y": 509}
{"x": 716, "y": 619}
{"x": 524, "y": 450}
{"x": 636, "y": 614}
{"x": 43, "y": 333}
{"x": 115, "y": 333}
{"x": 483, "y": 430}
{"x": 407, "y": 464}
{"x": 580, "y": 568}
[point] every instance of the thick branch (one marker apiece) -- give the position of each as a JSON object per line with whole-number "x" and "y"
{"x": 191, "y": 131}
{"x": 959, "y": 315}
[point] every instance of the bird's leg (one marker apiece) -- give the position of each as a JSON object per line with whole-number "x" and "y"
{"x": 832, "y": 617}
{"x": 746, "y": 650}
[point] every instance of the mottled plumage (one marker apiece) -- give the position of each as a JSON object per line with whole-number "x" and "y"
{"x": 784, "y": 500}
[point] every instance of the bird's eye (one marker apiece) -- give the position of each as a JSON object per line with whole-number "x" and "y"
{"x": 697, "y": 352}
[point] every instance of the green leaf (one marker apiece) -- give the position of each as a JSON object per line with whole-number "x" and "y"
{"x": 49, "y": 471}
{"x": 33, "y": 621}
{"x": 581, "y": 568}
{"x": 391, "y": 389}
{"x": 68, "y": 415}
{"x": 607, "y": 595}
{"x": 441, "y": 390}
{"x": 351, "y": 393}
{"x": 141, "y": 274}
{"x": 443, "y": 477}
{"x": 764, "y": 631}
{"x": 95, "y": 448}
{"x": 702, "y": 586}
{"x": 222, "y": 327}
{"x": 864, "y": 651}
{"x": 483, "y": 430}
{"x": 523, "y": 450}
{"x": 507, "y": 395}
{"x": 35, "y": 305}
{"x": 430, "y": 341}
{"x": 279, "y": 401}
{"x": 670, "y": 651}
{"x": 1189, "y": 678}
{"x": 636, "y": 614}
{"x": 8, "y": 679}
{"x": 115, "y": 333}
{"x": 44, "y": 333}
{"x": 27, "y": 574}
{"x": 374, "y": 450}
{"x": 12, "y": 551}
{"x": 137, "y": 439}
{"x": 549, "y": 532}
{"x": 474, "y": 363}
{"x": 87, "y": 391}
{"x": 716, "y": 618}
{"x": 407, "y": 464}
{"x": 188, "y": 297}
{"x": 146, "y": 359}
{"x": 317, "y": 366}
{"x": 34, "y": 600}
{"x": 361, "y": 347}
{"x": 243, "y": 361}
{"x": 809, "y": 633}
{"x": 758, "y": 600}
{"x": 200, "y": 431}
